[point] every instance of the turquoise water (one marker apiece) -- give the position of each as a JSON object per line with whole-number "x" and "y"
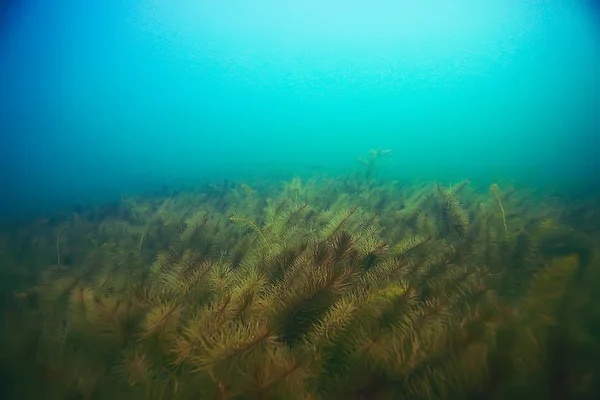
{"x": 182, "y": 213}
{"x": 112, "y": 97}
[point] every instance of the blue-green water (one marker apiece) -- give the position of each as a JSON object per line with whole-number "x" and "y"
{"x": 299, "y": 199}
{"x": 111, "y": 97}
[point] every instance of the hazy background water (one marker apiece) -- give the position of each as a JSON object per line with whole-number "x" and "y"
{"x": 98, "y": 98}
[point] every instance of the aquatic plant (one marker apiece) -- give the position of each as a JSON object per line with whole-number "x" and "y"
{"x": 495, "y": 190}
{"x": 305, "y": 290}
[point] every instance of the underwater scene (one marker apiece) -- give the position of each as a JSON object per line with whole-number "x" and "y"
{"x": 299, "y": 199}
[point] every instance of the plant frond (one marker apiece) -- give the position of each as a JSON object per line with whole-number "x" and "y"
{"x": 232, "y": 343}
{"x": 333, "y": 322}
{"x": 369, "y": 241}
{"x": 249, "y": 223}
{"x": 278, "y": 375}
{"x": 337, "y": 222}
{"x": 246, "y": 293}
{"x": 404, "y": 247}
{"x": 193, "y": 224}
{"x": 161, "y": 320}
{"x": 385, "y": 271}
{"x": 455, "y": 189}
{"x": 135, "y": 368}
{"x": 454, "y": 211}
{"x": 342, "y": 246}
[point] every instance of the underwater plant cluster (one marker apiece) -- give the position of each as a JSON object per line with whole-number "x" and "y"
{"x": 316, "y": 288}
